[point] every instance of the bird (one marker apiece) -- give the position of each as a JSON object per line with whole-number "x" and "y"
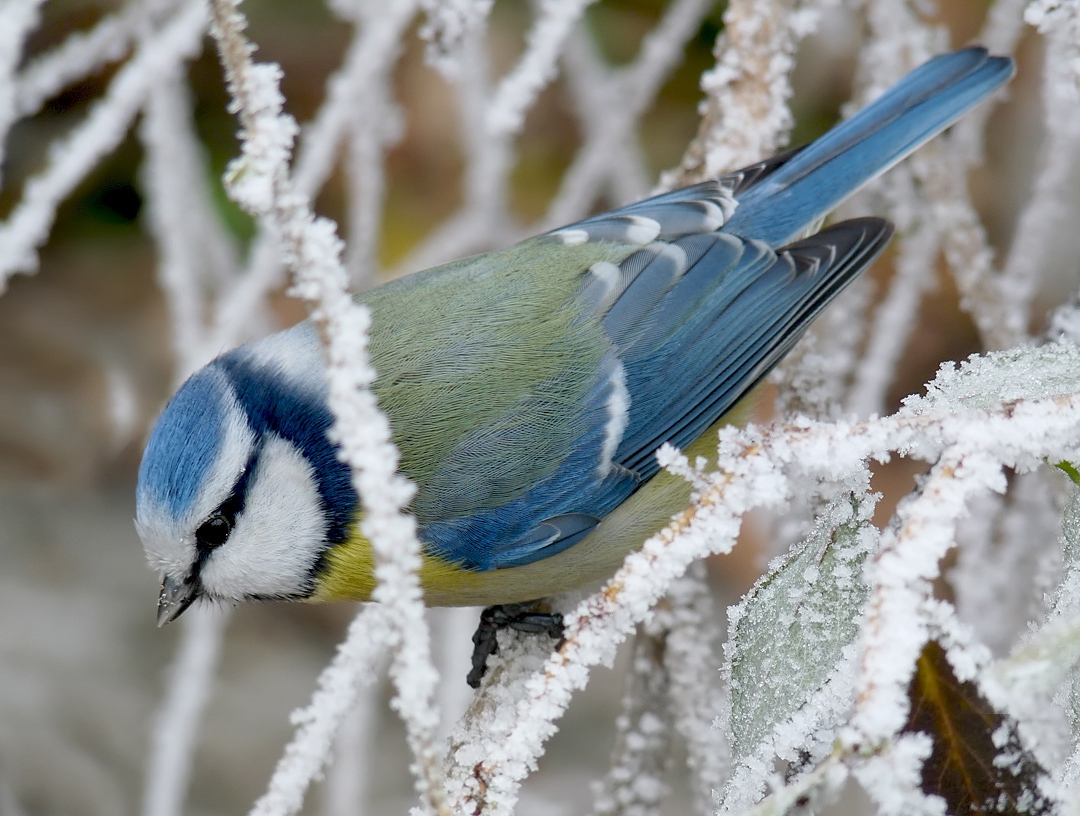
{"x": 529, "y": 388}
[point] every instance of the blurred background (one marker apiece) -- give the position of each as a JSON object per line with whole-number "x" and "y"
{"x": 86, "y": 364}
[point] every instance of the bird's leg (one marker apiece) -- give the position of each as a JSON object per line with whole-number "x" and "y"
{"x": 521, "y": 617}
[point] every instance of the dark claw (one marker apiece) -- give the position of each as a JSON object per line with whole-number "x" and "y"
{"x": 521, "y": 617}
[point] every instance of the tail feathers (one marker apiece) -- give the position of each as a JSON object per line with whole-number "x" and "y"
{"x": 809, "y": 184}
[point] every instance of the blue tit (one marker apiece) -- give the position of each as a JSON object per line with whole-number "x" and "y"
{"x": 529, "y": 388}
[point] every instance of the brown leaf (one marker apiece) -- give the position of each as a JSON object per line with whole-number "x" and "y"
{"x": 966, "y": 768}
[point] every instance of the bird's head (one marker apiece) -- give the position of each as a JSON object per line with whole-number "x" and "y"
{"x": 239, "y": 491}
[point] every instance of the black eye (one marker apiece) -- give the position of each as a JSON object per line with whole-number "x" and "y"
{"x": 213, "y": 532}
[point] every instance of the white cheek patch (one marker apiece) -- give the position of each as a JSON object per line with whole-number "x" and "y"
{"x": 169, "y": 540}
{"x": 279, "y": 534}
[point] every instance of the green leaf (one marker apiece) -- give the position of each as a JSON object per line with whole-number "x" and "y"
{"x": 1070, "y": 470}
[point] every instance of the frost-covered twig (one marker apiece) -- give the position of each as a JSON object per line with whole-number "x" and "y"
{"x": 375, "y": 124}
{"x": 673, "y": 678}
{"x": 180, "y": 717}
{"x": 1000, "y": 34}
{"x": 28, "y": 225}
{"x": 902, "y": 40}
{"x": 194, "y": 248}
{"x": 378, "y": 126}
{"x": 510, "y": 745}
{"x": 610, "y": 103}
{"x": 318, "y": 723}
{"x": 84, "y": 52}
{"x": 483, "y": 221}
{"x": 371, "y": 54}
{"x": 259, "y": 180}
{"x": 634, "y": 785}
{"x": 897, "y": 626}
{"x": 348, "y": 782}
{"x": 975, "y": 421}
{"x": 1003, "y": 549}
{"x": 555, "y": 19}
{"x": 694, "y": 630}
{"x": 828, "y": 776}
{"x": 896, "y": 316}
{"x": 1046, "y": 212}
{"x": 746, "y": 114}
{"x": 999, "y": 304}
{"x": 17, "y": 19}
{"x": 449, "y": 25}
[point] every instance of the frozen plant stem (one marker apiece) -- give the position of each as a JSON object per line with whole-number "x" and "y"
{"x": 72, "y": 157}
{"x": 260, "y": 182}
{"x": 177, "y": 728}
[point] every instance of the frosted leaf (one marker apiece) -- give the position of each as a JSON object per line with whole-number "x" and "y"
{"x": 984, "y": 382}
{"x": 1041, "y": 664}
{"x": 789, "y": 633}
{"x": 1070, "y": 541}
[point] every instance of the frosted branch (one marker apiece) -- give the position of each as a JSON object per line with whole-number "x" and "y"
{"x": 517, "y": 91}
{"x": 483, "y": 222}
{"x": 897, "y": 315}
{"x": 610, "y": 103}
{"x": 371, "y": 55}
{"x": 348, "y": 781}
{"x": 259, "y": 180}
{"x": 1046, "y": 213}
{"x": 176, "y": 731}
{"x": 746, "y": 114}
{"x": 75, "y": 155}
{"x": 829, "y": 776}
{"x": 449, "y": 24}
{"x": 318, "y": 723}
{"x": 1002, "y": 552}
{"x": 17, "y": 19}
{"x": 897, "y": 627}
{"x": 691, "y": 658}
{"x": 508, "y": 751}
{"x": 971, "y": 432}
{"x": 378, "y": 127}
{"x": 634, "y": 786}
{"x": 84, "y": 52}
{"x": 1000, "y": 34}
{"x": 999, "y": 305}
{"x": 901, "y": 40}
{"x": 194, "y": 247}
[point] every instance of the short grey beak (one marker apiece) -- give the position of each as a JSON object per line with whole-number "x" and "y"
{"x": 174, "y": 598}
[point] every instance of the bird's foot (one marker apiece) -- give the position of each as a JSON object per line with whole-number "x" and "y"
{"x": 521, "y": 617}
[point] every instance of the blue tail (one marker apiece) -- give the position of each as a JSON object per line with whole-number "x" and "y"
{"x": 819, "y": 177}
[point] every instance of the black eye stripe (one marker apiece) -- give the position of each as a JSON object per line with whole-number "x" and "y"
{"x": 218, "y": 526}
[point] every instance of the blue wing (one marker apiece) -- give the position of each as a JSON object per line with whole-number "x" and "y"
{"x": 693, "y": 323}
{"x": 707, "y": 305}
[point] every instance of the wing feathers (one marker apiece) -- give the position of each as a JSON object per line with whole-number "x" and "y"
{"x": 704, "y": 207}
{"x": 726, "y": 358}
